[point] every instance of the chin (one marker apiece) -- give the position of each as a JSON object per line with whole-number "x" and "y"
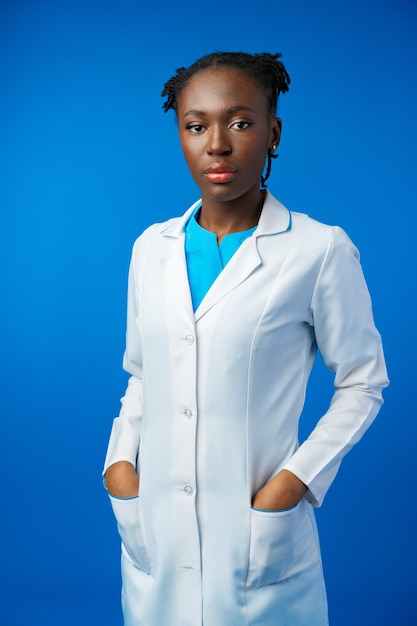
{"x": 226, "y": 193}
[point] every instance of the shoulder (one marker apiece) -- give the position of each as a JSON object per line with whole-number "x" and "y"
{"x": 327, "y": 243}
{"x": 155, "y": 230}
{"x": 307, "y": 226}
{"x": 313, "y": 233}
{"x": 158, "y": 234}
{"x": 155, "y": 236}
{"x": 312, "y": 238}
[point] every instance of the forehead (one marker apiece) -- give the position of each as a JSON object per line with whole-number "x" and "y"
{"x": 222, "y": 87}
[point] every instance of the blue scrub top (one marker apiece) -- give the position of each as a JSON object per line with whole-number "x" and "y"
{"x": 205, "y": 257}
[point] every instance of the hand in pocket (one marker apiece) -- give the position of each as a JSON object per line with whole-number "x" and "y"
{"x": 122, "y": 480}
{"x": 282, "y": 492}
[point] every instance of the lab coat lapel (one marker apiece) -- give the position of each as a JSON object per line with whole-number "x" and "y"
{"x": 240, "y": 266}
{"x": 275, "y": 219}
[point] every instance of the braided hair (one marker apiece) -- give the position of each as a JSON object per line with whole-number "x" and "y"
{"x": 265, "y": 68}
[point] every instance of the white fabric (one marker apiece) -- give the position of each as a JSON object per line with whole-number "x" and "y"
{"x": 211, "y": 414}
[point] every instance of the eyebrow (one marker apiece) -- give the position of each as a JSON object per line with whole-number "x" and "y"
{"x": 234, "y": 109}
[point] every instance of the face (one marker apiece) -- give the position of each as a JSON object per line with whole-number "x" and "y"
{"x": 226, "y": 129}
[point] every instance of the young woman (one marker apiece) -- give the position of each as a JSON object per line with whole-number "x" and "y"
{"x": 227, "y": 306}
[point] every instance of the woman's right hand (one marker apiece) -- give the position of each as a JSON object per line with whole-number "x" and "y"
{"x": 122, "y": 480}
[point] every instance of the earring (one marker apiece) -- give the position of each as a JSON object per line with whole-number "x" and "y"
{"x": 274, "y": 147}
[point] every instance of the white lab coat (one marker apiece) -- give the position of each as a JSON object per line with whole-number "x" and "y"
{"x": 211, "y": 414}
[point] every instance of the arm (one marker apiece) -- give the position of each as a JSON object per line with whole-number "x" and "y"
{"x": 341, "y": 314}
{"x": 119, "y": 472}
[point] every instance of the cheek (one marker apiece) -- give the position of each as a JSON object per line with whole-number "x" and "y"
{"x": 255, "y": 154}
{"x": 256, "y": 146}
{"x": 189, "y": 151}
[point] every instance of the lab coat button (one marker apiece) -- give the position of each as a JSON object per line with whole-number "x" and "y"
{"x": 188, "y": 413}
{"x": 189, "y": 339}
{"x": 188, "y": 490}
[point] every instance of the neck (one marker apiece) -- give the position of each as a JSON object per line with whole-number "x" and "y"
{"x": 223, "y": 218}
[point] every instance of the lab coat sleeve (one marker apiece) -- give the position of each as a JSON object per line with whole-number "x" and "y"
{"x": 341, "y": 314}
{"x": 125, "y": 434}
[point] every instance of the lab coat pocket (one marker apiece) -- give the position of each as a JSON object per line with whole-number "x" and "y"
{"x": 282, "y": 544}
{"x": 127, "y": 515}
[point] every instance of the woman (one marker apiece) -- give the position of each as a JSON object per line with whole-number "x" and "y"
{"x": 227, "y": 306}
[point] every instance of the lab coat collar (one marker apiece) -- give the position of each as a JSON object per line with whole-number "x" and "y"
{"x": 275, "y": 218}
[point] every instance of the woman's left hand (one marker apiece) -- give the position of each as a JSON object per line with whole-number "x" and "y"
{"x": 283, "y": 491}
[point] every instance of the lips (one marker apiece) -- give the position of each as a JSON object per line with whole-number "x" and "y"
{"x": 220, "y": 173}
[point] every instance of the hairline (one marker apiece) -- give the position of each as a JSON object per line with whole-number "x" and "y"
{"x": 227, "y": 67}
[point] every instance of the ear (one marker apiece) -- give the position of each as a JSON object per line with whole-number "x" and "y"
{"x": 275, "y": 134}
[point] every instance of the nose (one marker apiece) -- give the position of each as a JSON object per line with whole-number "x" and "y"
{"x": 218, "y": 141}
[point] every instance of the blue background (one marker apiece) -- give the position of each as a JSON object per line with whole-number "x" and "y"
{"x": 88, "y": 159}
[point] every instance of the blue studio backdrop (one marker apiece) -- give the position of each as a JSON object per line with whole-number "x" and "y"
{"x": 88, "y": 160}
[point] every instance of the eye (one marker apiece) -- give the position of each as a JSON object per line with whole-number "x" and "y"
{"x": 241, "y": 125}
{"x": 195, "y": 128}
